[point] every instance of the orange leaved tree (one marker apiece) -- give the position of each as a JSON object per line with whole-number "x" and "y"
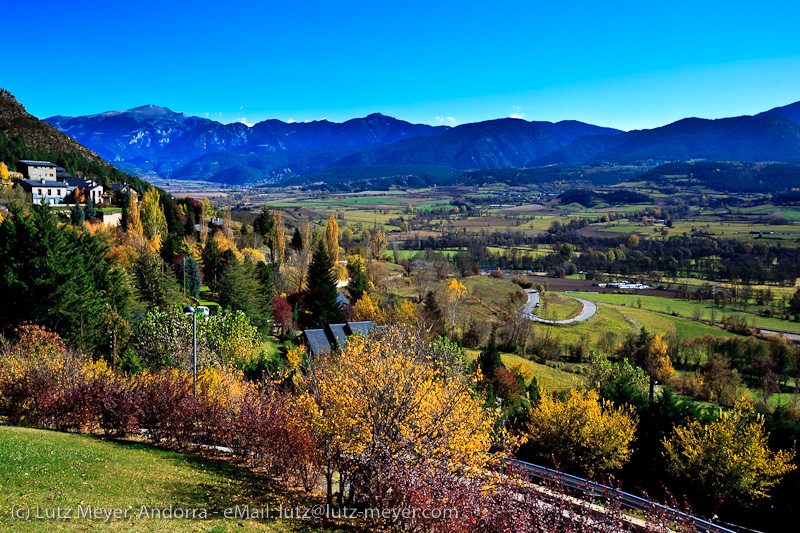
{"x": 386, "y": 403}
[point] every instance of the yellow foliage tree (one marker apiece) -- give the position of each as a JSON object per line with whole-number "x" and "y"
{"x": 365, "y": 310}
{"x": 153, "y": 220}
{"x": 305, "y": 233}
{"x": 332, "y": 239}
{"x": 205, "y": 206}
{"x": 383, "y": 399}
{"x": 728, "y": 458}
{"x": 403, "y": 314}
{"x": 379, "y": 242}
{"x": 278, "y": 239}
{"x": 134, "y": 227}
{"x": 582, "y": 431}
{"x": 4, "y": 181}
{"x": 255, "y": 255}
{"x": 454, "y": 295}
{"x": 658, "y": 366}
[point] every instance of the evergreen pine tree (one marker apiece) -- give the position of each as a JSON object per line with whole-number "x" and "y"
{"x": 489, "y": 359}
{"x": 297, "y": 240}
{"x": 156, "y": 281}
{"x": 77, "y": 215}
{"x": 57, "y": 277}
{"x": 358, "y": 283}
{"x": 321, "y": 298}
{"x": 188, "y": 228}
{"x": 212, "y": 263}
{"x": 91, "y": 212}
{"x": 241, "y": 290}
{"x": 194, "y": 280}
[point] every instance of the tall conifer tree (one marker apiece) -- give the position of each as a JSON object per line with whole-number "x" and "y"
{"x": 321, "y": 298}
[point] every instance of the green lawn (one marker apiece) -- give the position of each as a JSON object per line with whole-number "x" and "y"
{"x": 687, "y": 308}
{"x": 54, "y": 470}
{"x": 548, "y": 378}
{"x": 555, "y": 306}
{"x": 625, "y": 229}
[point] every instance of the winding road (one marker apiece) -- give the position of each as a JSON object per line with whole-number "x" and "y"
{"x": 589, "y": 309}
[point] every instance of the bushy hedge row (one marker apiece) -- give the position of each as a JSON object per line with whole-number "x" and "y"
{"x": 42, "y": 384}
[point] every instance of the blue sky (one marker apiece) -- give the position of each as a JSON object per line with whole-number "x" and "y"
{"x": 615, "y": 63}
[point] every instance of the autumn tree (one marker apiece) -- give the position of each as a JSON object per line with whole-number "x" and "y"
{"x": 154, "y": 223}
{"x": 332, "y": 239}
{"x": 454, "y": 296}
{"x": 383, "y": 404}
{"x": 582, "y": 431}
{"x": 658, "y": 365}
{"x": 4, "y": 181}
{"x": 729, "y": 458}
{"x": 278, "y": 239}
{"x": 134, "y": 223}
{"x": 365, "y": 309}
{"x": 305, "y": 233}
{"x": 379, "y": 243}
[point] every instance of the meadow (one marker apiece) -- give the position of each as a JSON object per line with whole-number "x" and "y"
{"x": 51, "y": 470}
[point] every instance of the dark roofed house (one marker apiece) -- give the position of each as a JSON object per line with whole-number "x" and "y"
{"x": 90, "y": 188}
{"x": 124, "y": 188}
{"x": 53, "y": 192}
{"x": 359, "y": 327}
{"x": 317, "y": 341}
{"x": 338, "y": 334}
{"x": 335, "y": 335}
{"x": 37, "y": 170}
{"x": 62, "y": 174}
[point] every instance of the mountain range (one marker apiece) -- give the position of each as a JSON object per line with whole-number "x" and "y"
{"x": 155, "y": 141}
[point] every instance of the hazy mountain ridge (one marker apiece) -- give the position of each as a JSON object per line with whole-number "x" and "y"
{"x": 156, "y": 139}
{"x": 770, "y": 136}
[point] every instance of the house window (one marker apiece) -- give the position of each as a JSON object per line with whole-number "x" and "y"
{"x": 49, "y": 192}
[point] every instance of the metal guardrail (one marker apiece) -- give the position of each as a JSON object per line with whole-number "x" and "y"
{"x": 626, "y": 500}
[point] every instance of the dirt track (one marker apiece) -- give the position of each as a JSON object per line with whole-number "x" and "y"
{"x": 584, "y": 285}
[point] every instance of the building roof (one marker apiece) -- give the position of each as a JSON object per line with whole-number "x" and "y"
{"x": 116, "y": 187}
{"x": 338, "y": 334}
{"x": 83, "y": 183}
{"x": 317, "y": 341}
{"x": 40, "y": 183}
{"x": 335, "y": 335}
{"x": 31, "y": 163}
{"x": 61, "y": 173}
{"x": 360, "y": 327}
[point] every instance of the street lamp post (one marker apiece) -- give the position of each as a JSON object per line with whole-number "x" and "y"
{"x": 190, "y": 309}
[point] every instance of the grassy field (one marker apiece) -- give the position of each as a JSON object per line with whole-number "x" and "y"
{"x": 489, "y": 297}
{"x": 687, "y": 308}
{"x": 64, "y": 470}
{"x": 548, "y": 378}
{"x": 556, "y": 306}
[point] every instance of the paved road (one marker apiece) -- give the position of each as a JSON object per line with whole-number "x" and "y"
{"x": 589, "y": 309}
